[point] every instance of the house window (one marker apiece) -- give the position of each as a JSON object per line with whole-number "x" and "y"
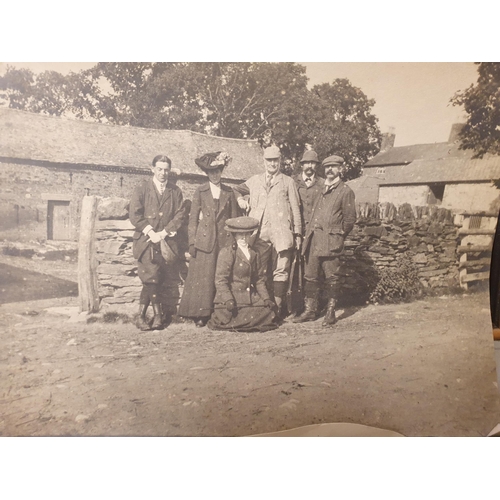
{"x": 380, "y": 171}
{"x": 436, "y": 193}
{"x": 475, "y": 222}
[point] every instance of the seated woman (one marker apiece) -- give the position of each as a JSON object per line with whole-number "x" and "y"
{"x": 242, "y": 303}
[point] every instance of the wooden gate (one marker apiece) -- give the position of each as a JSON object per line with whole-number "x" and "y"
{"x": 58, "y": 220}
{"x": 476, "y": 240}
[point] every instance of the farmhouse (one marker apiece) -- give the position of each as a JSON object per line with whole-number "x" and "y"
{"x": 430, "y": 174}
{"x": 47, "y": 164}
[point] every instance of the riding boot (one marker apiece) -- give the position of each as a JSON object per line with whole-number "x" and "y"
{"x": 141, "y": 322}
{"x": 166, "y": 315}
{"x": 279, "y": 298}
{"x": 330, "y": 319}
{"x": 157, "y": 321}
{"x": 310, "y": 311}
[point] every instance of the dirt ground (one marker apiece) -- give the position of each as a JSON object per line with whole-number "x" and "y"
{"x": 421, "y": 369}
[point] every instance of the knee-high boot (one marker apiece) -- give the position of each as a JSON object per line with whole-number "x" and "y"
{"x": 141, "y": 322}
{"x": 310, "y": 312}
{"x": 330, "y": 319}
{"x": 158, "y": 318}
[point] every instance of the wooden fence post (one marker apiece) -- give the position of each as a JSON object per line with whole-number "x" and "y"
{"x": 87, "y": 262}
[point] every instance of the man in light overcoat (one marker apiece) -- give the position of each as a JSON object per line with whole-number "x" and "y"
{"x": 274, "y": 202}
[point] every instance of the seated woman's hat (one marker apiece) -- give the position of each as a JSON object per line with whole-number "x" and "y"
{"x": 241, "y": 225}
{"x": 211, "y": 161}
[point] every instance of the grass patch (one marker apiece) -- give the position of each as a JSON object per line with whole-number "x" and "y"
{"x": 111, "y": 317}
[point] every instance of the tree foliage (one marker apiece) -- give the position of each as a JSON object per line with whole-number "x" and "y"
{"x": 482, "y": 104}
{"x": 266, "y": 101}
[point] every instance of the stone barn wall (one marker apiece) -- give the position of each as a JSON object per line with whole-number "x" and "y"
{"x": 398, "y": 195}
{"x": 26, "y": 190}
{"x": 471, "y": 197}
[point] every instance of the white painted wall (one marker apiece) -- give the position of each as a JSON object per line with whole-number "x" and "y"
{"x": 414, "y": 195}
{"x": 482, "y": 196}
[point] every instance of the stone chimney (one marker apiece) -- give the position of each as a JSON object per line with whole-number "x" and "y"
{"x": 388, "y": 139}
{"x": 456, "y": 128}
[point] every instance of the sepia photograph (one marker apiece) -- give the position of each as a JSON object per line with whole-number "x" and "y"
{"x": 249, "y": 248}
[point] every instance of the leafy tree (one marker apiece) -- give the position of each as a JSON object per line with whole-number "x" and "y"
{"x": 16, "y": 86}
{"x": 265, "y": 101}
{"x": 482, "y": 104}
{"x": 348, "y": 128}
{"x": 52, "y": 93}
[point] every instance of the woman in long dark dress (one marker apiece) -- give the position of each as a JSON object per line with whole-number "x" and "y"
{"x": 213, "y": 203}
{"x": 242, "y": 302}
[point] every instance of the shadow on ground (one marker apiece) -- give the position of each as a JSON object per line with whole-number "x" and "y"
{"x": 19, "y": 285}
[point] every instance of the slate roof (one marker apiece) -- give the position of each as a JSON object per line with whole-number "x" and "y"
{"x": 31, "y": 136}
{"x": 445, "y": 170}
{"x": 407, "y": 154}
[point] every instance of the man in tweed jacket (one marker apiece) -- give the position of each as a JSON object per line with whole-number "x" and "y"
{"x": 274, "y": 201}
{"x": 333, "y": 217}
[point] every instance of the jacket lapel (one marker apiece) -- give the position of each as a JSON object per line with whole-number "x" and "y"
{"x": 276, "y": 179}
{"x": 154, "y": 194}
{"x": 207, "y": 201}
{"x": 241, "y": 256}
{"x": 166, "y": 195}
{"x": 223, "y": 200}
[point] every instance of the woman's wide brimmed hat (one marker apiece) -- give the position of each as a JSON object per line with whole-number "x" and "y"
{"x": 241, "y": 225}
{"x": 212, "y": 161}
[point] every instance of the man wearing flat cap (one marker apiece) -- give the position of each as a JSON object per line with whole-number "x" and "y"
{"x": 157, "y": 213}
{"x": 274, "y": 202}
{"x": 332, "y": 219}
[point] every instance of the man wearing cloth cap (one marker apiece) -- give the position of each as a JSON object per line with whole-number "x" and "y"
{"x": 309, "y": 185}
{"x": 332, "y": 219}
{"x": 274, "y": 202}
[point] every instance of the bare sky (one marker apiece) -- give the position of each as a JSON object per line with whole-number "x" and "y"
{"x": 411, "y": 97}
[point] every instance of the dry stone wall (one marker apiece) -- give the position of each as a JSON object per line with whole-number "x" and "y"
{"x": 427, "y": 236}
{"x": 380, "y": 238}
{"x": 118, "y": 281}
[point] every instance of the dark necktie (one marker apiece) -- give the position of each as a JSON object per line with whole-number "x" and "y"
{"x": 308, "y": 181}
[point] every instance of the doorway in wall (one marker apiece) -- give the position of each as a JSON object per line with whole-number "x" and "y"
{"x": 58, "y": 220}
{"x": 436, "y": 193}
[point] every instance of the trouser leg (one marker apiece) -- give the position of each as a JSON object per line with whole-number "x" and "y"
{"x": 265, "y": 251}
{"x": 151, "y": 269}
{"x": 280, "y": 275}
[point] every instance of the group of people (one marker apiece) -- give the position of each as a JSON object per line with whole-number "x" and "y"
{"x": 242, "y": 241}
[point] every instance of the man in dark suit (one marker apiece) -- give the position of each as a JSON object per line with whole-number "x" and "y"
{"x": 157, "y": 213}
{"x": 332, "y": 219}
{"x": 309, "y": 185}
